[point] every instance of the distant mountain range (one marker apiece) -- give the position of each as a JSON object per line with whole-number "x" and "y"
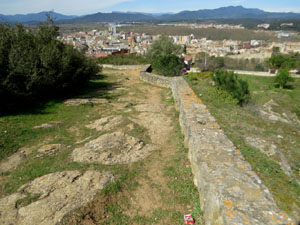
{"x": 33, "y": 17}
{"x": 231, "y": 12}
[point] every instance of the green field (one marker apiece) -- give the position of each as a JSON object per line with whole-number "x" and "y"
{"x": 271, "y": 143}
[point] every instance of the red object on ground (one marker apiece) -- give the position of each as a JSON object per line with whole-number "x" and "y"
{"x": 188, "y": 219}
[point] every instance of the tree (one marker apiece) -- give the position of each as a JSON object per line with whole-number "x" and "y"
{"x": 34, "y": 63}
{"x": 283, "y": 77}
{"x": 162, "y": 47}
{"x": 283, "y": 61}
{"x": 275, "y": 49}
{"x": 163, "y": 57}
{"x": 168, "y": 65}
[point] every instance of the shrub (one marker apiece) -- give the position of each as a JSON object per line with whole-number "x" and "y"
{"x": 207, "y": 75}
{"x": 284, "y": 61}
{"x": 198, "y": 75}
{"x": 162, "y": 47}
{"x": 283, "y": 77}
{"x": 229, "y": 82}
{"x": 35, "y": 65}
{"x": 169, "y": 65}
{"x": 163, "y": 57}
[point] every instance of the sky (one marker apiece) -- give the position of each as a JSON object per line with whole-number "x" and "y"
{"x": 82, "y": 7}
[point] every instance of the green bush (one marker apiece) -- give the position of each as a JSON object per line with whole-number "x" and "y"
{"x": 169, "y": 65}
{"x": 229, "y": 82}
{"x": 163, "y": 57}
{"x": 284, "y": 61}
{"x": 162, "y": 47}
{"x": 35, "y": 65}
{"x": 283, "y": 77}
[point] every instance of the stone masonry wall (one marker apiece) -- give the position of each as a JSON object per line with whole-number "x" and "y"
{"x": 230, "y": 192}
{"x": 124, "y": 67}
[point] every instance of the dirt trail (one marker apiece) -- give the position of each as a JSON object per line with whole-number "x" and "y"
{"x": 152, "y": 201}
{"x": 145, "y": 199}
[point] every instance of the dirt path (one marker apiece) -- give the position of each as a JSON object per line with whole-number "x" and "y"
{"x": 162, "y": 191}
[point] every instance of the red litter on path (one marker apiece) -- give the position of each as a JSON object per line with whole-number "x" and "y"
{"x": 188, "y": 219}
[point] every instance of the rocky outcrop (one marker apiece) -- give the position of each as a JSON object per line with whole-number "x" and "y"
{"x": 114, "y": 148}
{"x": 85, "y": 101}
{"x": 268, "y": 113}
{"x": 106, "y": 123}
{"x": 48, "y": 125}
{"x": 50, "y": 149}
{"x": 14, "y": 160}
{"x": 11, "y": 162}
{"x": 57, "y": 194}
{"x": 230, "y": 192}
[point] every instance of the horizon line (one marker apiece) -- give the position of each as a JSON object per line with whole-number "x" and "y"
{"x": 296, "y": 10}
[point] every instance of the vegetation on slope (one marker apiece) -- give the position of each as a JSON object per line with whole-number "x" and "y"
{"x": 35, "y": 65}
{"x": 228, "y": 81}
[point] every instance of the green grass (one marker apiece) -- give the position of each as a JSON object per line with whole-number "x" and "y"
{"x": 180, "y": 179}
{"x": 241, "y": 122}
{"x": 26, "y": 200}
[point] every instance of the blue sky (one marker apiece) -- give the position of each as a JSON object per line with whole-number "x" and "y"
{"x": 81, "y": 7}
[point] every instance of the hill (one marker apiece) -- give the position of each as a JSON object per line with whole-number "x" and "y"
{"x": 33, "y": 17}
{"x": 110, "y": 17}
{"x": 230, "y": 12}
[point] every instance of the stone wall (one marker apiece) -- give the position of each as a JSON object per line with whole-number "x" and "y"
{"x": 156, "y": 79}
{"x": 261, "y": 74}
{"x": 124, "y": 67}
{"x": 230, "y": 192}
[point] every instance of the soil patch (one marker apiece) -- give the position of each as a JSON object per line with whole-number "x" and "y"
{"x": 156, "y": 108}
{"x": 158, "y": 125}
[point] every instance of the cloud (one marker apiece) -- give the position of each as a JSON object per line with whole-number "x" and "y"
{"x": 295, "y": 10}
{"x": 235, "y": 2}
{"x": 77, "y": 7}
